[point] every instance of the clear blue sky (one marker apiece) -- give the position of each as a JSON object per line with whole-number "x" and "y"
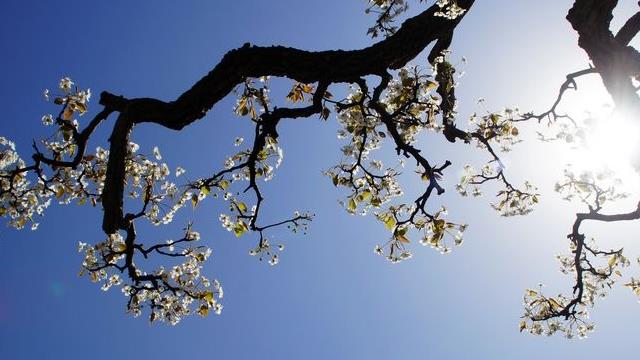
{"x": 330, "y": 296}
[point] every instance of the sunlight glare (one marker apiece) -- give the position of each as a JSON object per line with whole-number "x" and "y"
{"x": 608, "y": 138}
{"x": 613, "y": 141}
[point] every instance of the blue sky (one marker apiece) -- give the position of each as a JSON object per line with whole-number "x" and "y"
{"x": 330, "y": 296}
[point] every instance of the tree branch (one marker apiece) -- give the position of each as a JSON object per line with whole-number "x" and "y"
{"x": 325, "y": 67}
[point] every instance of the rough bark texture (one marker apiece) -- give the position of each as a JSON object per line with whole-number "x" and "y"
{"x": 612, "y": 57}
{"x": 333, "y": 66}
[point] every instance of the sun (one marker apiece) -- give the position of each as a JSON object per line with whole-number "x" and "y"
{"x": 604, "y": 137}
{"x": 613, "y": 140}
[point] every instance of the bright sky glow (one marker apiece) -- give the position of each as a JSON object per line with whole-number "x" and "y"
{"x": 605, "y": 139}
{"x": 613, "y": 141}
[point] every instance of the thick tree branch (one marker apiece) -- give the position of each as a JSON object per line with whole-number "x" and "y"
{"x": 326, "y": 67}
{"x": 629, "y": 30}
{"x": 332, "y": 66}
{"x": 112, "y": 195}
{"x": 616, "y": 62}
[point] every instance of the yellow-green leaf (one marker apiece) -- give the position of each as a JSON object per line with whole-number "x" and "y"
{"x": 390, "y": 222}
{"x": 203, "y": 310}
{"x": 240, "y": 228}
{"x": 438, "y": 226}
{"x": 363, "y": 196}
{"x": 208, "y": 296}
{"x": 431, "y": 85}
{"x": 352, "y": 205}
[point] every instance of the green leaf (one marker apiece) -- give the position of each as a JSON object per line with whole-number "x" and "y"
{"x": 224, "y": 184}
{"x": 352, "y": 205}
{"x": 363, "y": 196}
{"x": 208, "y": 296}
{"x": 335, "y": 180}
{"x": 203, "y": 310}
{"x": 240, "y": 228}
{"x": 390, "y": 222}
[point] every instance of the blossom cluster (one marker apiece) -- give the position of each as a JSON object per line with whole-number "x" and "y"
{"x": 449, "y": 9}
{"x": 407, "y": 106}
{"x": 540, "y": 316}
{"x": 25, "y": 191}
{"x": 20, "y": 200}
{"x": 569, "y": 315}
{"x": 386, "y": 12}
{"x": 593, "y": 188}
{"x": 169, "y": 294}
{"x": 497, "y": 129}
{"x": 435, "y": 231}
